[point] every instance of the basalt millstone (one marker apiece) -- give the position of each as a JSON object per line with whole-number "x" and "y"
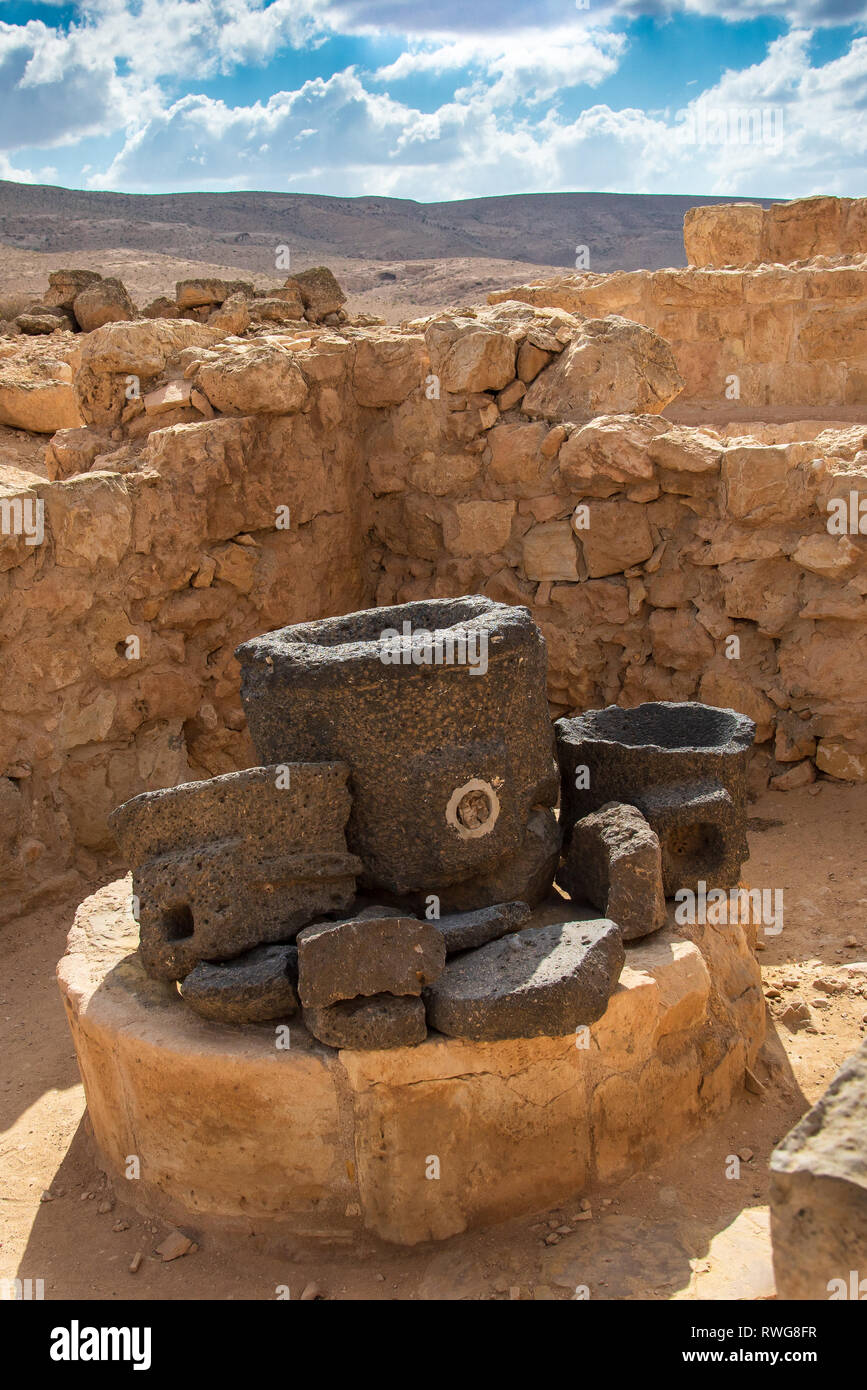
{"x": 614, "y": 863}
{"x": 249, "y": 989}
{"x": 383, "y": 1020}
{"x": 448, "y": 737}
{"x": 236, "y": 862}
{"x": 385, "y": 955}
{"x": 540, "y": 981}
{"x": 683, "y": 765}
{"x": 464, "y": 930}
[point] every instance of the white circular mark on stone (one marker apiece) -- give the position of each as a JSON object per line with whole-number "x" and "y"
{"x": 473, "y": 809}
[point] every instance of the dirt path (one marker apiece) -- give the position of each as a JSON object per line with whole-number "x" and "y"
{"x": 682, "y": 1229}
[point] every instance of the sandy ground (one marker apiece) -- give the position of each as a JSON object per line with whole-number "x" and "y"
{"x": 680, "y": 1230}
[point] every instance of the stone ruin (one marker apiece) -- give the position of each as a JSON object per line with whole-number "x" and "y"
{"x": 228, "y": 463}
{"x": 382, "y": 886}
{"x": 393, "y": 765}
{"x": 409, "y": 753}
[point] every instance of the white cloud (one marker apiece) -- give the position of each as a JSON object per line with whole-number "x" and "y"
{"x": 532, "y": 67}
{"x": 339, "y": 136}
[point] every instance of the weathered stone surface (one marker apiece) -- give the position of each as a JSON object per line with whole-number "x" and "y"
{"x": 550, "y": 552}
{"x": 386, "y": 369}
{"x": 728, "y": 234}
{"x": 244, "y": 859}
{"x": 364, "y": 1025}
{"x": 195, "y": 294}
{"x": 232, "y": 317}
{"x": 103, "y": 301}
{"x": 540, "y": 981}
{"x": 617, "y": 536}
{"x": 37, "y": 322}
{"x": 448, "y": 767}
{"x": 37, "y": 395}
{"x": 614, "y": 863}
{"x": 250, "y": 988}
{"x": 819, "y": 1193}
{"x": 464, "y": 930}
{"x": 161, "y": 308}
{"x": 372, "y": 955}
{"x": 320, "y": 292}
{"x": 64, "y": 286}
{"x": 275, "y": 310}
{"x": 612, "y": 366}
{"x": 481, "y": 359}
{"x": 174, "y": 395}
{"x": 255, "y": 377}
{"x": 683, "y": 765}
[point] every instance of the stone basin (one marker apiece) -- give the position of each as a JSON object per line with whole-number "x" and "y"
{"x": 263, "y": 1132}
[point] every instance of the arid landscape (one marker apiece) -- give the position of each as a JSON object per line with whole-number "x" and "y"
{"x": 435, "y": 412}
{"x": 394, "y": 258}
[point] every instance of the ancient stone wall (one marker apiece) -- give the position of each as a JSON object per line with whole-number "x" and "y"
{"x": 771, "y": 336}
{"x": 743, "y": 234}
{"x": 264, "y": 481}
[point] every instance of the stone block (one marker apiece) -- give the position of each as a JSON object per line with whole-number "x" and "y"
{"x": 244, "y": 859}
{"x": 540, "y": 981}
{"x": 464, "y": 930}
{"x": 614, "y": 863}
{"x": 251, "y": 988}
{"x": 366, "y": 1025}
{"x": 377, "y": 955}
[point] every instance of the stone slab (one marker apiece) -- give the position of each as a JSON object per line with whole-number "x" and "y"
{"x": 543, "y": 980}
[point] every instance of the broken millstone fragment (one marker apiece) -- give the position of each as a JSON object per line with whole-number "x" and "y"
{"x": 384, "y": 955}
{"x": 464, "y": 930}
{"x": 819, "y": 1193}
{"x": 614, "y": 862}
{"x": 250, "y": 989}
{"x": 540, "y": 981}
{"x": 236, "y": 862}
{"x": 383, "y": 1020}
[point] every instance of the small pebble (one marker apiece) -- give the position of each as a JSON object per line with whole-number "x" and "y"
{"x": 135, "y": 1262}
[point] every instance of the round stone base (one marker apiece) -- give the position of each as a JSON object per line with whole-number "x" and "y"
{"x": 264, "y": 1131}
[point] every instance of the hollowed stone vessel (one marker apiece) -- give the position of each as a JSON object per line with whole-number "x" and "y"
{"x": 683, "y": 765}
{"x": 440, "y": 710}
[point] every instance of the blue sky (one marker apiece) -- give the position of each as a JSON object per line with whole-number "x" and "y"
{"x": 438, "y": 101}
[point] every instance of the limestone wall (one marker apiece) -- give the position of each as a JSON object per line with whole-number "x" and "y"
{"x": 324, "y": 474}
{"x": 742, "y": 234}
{"x": 772, "y": 336}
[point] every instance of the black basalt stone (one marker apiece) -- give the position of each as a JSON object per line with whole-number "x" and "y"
{"x": 380, "y": 1021}
{"x": 236, "y": 862}
{"x": 543, "y": 981}
{"x": 252, "y": 988}
{"x": 683, "y": 765}
{"x": 440, "y": 710}
{"x": 464, "y": 930}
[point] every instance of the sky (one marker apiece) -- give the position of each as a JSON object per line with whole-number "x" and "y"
{"x": 437, "y": 100}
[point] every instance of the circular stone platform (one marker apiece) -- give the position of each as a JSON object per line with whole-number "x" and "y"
{"x": 263, "y": 1130}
